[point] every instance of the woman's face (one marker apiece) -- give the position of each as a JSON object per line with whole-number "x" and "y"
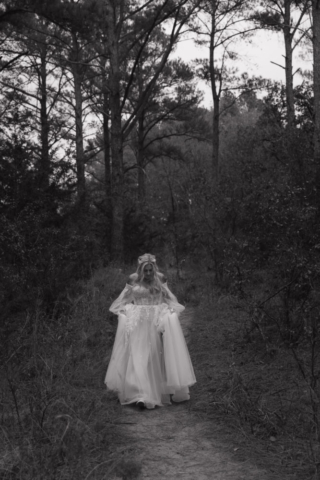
{"x": 148, "y": 272}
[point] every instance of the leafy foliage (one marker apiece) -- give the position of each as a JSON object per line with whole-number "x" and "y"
{"x": 254, "y": 230}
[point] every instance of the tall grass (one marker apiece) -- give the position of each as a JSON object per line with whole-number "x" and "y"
{"x": 57, "y": 419}
{"x": 255, "y": 382}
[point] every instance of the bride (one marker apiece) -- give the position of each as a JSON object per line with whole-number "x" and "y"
{"x": 150, "y": 360}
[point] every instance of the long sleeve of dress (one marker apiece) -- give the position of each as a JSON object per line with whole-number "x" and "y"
{"x": 125, "y": 297}
{"x": 171, "y": 300}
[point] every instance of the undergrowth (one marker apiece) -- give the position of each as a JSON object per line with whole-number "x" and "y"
{"x": 59, "y": 422}
{"x": 57, "y": 419}
{"x": 260, "y": 387}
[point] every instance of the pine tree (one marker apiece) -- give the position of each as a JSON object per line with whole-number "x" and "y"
{"x": 279, "y": 16}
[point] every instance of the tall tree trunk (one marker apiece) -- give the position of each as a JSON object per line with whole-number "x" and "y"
{"x": 215, "y": 77}
{"x": 44, "y": 121}
{"x": 140, "y": 144}
{"x": 140, "y": 161}
{"x": 81, "y": 185}
{"x": 288, "y": 62}
{"x": 117, "y": 240}
{"x": 215, "y": 138}
{"x": 316, "y": 79}
{"x": 106, "y": 145}
{"x": 77, "y": 79}
{"x": 107, "y": 164}
{"x": 216, "y": 97}
{"x": 175, "y": 234}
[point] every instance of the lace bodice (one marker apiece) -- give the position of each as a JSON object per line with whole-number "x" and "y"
{"x": 140, "y": 295}
{"x": 143, "y": 296}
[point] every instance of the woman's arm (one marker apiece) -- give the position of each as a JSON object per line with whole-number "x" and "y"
{"x": 171, "y": 300}
{"x": 162, "y": 277}
{"x": 125, "y": 297}
{"x": 132, "y": 279}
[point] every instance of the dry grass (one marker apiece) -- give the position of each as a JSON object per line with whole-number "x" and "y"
{"x": 57, "y": 419}
{"x": 59, "y": 422}
{"x": 255, "y": 397}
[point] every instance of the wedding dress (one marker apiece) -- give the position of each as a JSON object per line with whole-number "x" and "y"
{"x": 150, "y": 359}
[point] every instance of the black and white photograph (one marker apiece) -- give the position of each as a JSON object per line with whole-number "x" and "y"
{"x": 159, "y": 239}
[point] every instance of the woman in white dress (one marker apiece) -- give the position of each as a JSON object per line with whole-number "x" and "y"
{"x": 150, "y": 359}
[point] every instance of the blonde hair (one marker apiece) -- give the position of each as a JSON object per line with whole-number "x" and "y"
{"x": 157, "y": 283}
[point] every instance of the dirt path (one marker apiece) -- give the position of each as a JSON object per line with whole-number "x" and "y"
{"x": 172, "y": 443}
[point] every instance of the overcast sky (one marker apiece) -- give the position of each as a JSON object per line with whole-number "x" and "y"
{"x": 255, "y": 58}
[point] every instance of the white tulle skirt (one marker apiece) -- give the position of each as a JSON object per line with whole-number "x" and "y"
{"x": 150, "y": 359}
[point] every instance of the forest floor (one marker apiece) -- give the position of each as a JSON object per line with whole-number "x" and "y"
{"x": 58, "y": 421}
{"x": 176, "y": 442}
